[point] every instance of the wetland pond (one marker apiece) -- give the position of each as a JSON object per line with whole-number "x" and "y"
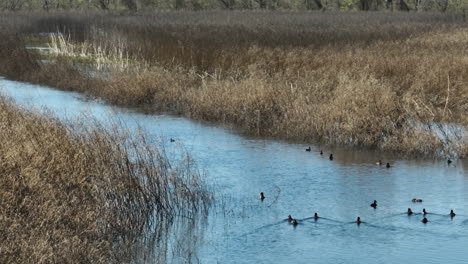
{"x": 243, "y": 229}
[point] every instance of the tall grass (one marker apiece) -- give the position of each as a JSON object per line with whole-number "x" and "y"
{"x": 80, "y": 193}
{"x": 357, "y": 79}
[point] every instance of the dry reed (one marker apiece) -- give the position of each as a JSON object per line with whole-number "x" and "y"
{"x": 346, "y": 79}
{"x": 82, "y": 193}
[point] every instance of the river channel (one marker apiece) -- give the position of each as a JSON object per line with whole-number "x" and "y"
{"x": 244, "y": 229}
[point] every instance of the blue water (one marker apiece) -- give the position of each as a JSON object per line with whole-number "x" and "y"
{"x": 243, "y": 229}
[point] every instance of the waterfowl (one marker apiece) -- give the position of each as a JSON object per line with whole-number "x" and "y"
{"x": 416, "y": 200}
{"x": 290, "y": 218}
{"x": 409, "y": 212}
{"x": 358, "y": 221}
{"x": 424, "y": 220}
{"x": 294, "y": 222}
{"x": 331, "y": 156}
{"x": 321, "y": 152}
{"x": 452, "y": 213}
{"x": 379, "y": 163}
{"x": 316, "y": 216}
{"x": 308, "y": 149}
{"x": 262, "y": 196}
{"x": 374, "y": 204}
{"x": 388, "y": 165}
{"x": 172, "y": 140}
{"x": 449, "y": 161}
{"x": 424, "y": 211}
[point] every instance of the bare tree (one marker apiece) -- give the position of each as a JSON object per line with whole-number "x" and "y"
{"x": 104, "y": 4}
{"x": 13, "y": 5}
{"x": 443, "y": 4}
{"x": 45, "y": 5}
{"x": 130, "y": 4}
{"x": 262, "y": 3}
{"x": 364, "y": 5}
{"x": 247, "y": 4}
{"x": 313, "y": 4}
{"x": 179, "y": 4}
{"x": 228, "y": 4}
{"x": 398, "y": 5}
{"x": 419, "y": 4}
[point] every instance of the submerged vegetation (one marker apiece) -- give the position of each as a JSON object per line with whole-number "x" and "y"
{"x": 87, "y": 193}
{"x": 392, "y": 81}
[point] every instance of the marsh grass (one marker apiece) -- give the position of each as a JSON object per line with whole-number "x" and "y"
{"x": 88, "y": 193}
{"x": 100, "y": 58}
{"x": 356, "y": 79}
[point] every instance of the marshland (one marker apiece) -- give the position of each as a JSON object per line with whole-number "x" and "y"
{"x": 147, "y": 137}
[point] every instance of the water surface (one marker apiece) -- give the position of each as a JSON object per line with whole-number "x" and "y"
{"x": 243, "y": 229}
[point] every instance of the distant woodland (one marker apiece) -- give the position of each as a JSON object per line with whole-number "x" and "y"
{"x": 147, "y": 5}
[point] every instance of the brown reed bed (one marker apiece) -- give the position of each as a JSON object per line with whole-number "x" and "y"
{"x": 85, "y": 193}
{"x": 357, "y": 79}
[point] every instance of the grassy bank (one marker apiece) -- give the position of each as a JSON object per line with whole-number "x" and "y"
{"x": 356, "y": 79}
{"x": 75, "y": 193}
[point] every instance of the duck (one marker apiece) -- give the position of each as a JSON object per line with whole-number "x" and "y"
{"x": 290, "y": 218}
{"x": 262, "y": 196}
{"x": 321, "y": 152}
{"x": 331, "y": 156}
{"x": 424, "y": 220}
{"x": 388, "y": 165}
{"x": 308, "y": 149}
{"x": 449, "y": 161}
{"x": 409, "y": 212}
{"x": 172, "y": 140}
{"x": 316, "y": 216}
{"x": 452, "y": 213}
{"x": 374, "y": 204}
{"x": 416, "y": 200}
{"x": 358, "y": 220}
{"x": 294, "y": 222}
{"x": 424, "y": 211}
{"x": 379, "y": 163}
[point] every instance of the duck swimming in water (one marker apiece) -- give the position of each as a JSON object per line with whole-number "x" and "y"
{"x": 308, "y": 149}
{"x": 290, "y": 218}
{"x": 321, "y": 152}
{"x": 331, "y": 156}
{"x": 452, "y": 213}
{"x": 416, "y": 200}
{"x": 374, "y": 204}
{"x": 409, "y": 212}
{"x": 424, "y": 220}
{"x": 262, "y": 196}
{"x": 379, "y": 163}
{"x": 172, "y": 140}
{"x": 388, "y": 165}
{"x": 358, "y": 221}
{"x": 424, "y": 211}
{"x": 294, "y": 222}
{"x": 316, "y": 216}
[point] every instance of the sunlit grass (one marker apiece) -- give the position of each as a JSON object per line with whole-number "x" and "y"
{"x": 356, "y": 79}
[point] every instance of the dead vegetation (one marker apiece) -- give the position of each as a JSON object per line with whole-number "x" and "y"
{"x": 362, "y": 80}
{"x": 81, "y": 193}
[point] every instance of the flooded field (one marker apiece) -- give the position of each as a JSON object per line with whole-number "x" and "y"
{"x": 241, "y": 228}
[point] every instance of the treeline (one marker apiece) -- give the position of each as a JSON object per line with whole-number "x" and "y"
{"x": 144, "y": 5}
